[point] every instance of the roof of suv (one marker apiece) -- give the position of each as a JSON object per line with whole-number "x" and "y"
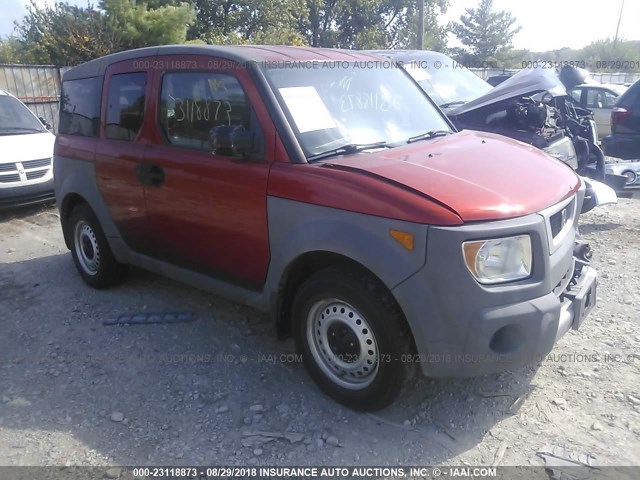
{"x": 238, "y": 53}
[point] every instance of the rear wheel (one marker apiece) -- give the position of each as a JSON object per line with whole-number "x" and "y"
{"x": 632, "y": 176}
{"x": 352, "y": 336}
{"x": 90, "y": 250}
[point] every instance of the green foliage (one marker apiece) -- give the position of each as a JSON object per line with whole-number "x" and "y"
{"x": 9, "y": 50}
{"x": 435, "y": 35}
{"x": 247, "y": 21}
{"x": 137, "y": 25}
{"x": 62, "y": 34}
{"x": 370, "y": 24}
{"x": 67, "y": 35}
{"x": 486, "y": 35}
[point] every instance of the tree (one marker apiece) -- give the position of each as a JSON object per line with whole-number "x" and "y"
{"x": 368, "y": 23}
{"x": 247, "y": 21}
{"x": 487, "y": 35}
{"x": 435, "y": 35}
{"x": 62, "y": 34}
{"x": 9, "y": 50}
{"x": 138, "y": 24}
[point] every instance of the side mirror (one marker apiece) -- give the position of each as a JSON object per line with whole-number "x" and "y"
{"x": 44, "y": 122}
{"x": 231, "y": 140}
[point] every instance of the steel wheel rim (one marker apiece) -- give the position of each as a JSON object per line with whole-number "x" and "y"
{"x": 86, "y": 246}
{"x": 342, "y": 344}
{"x": 631, "y": 177}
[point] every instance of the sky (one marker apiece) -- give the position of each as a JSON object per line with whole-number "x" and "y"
{"x": 546, "y": 24}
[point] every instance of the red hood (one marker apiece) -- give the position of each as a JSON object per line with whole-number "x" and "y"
{"x": 480, "y": 175}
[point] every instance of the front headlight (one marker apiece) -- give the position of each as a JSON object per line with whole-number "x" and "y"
{"x": 499, "y": 260}
{"x": 564, "y": 151}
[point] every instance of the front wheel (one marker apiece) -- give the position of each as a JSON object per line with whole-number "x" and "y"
{"x": 352, "y": 336}
{"x": 632, "y": 176}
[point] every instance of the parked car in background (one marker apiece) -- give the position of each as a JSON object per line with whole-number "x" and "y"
{"x": 448, "y": 83}
{"x": 631, "y": 170}
{"x": 532, "y": 106}
{"x": 340, "y": 200}
{"x": 26, "y": 153}
{"x": 624, "y": 141}
{"x": 600, "y": 99}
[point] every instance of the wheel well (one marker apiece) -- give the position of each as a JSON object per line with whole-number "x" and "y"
{"x": 70, "y": 202}
{"x": 302, "y": 268}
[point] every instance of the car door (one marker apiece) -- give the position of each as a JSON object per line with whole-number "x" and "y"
{"x": 207, "y": 209}
{"x": 121, "y": 147}
{"x": 596, "y": 102}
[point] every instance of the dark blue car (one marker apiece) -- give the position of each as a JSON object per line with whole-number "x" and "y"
{"x": 624, "y": 141}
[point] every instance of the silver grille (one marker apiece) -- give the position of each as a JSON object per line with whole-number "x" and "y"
{"x": 24, "y": 171}
{"x": 43, "y": 162}
{"x": 10, "y": 178}
{"x": 560, "y": 220}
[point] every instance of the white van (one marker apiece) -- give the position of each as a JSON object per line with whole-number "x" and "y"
{"x": 26, "y": 155}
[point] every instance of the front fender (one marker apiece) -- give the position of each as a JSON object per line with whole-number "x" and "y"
{"x": 296, "y": 228}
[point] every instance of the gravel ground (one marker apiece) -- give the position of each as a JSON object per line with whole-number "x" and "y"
{"x": 222, "y": 390}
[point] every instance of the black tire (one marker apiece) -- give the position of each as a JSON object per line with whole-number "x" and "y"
{"x": 365, "y": 296}
{"x": 632, "y": 177}
{"x": 90, "y": 250}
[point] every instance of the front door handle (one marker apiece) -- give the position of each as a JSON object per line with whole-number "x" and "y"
{"x": 156, "y": 176}
{"x": 149, "y": 174}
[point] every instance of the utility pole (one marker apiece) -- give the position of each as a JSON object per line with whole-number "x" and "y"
{"x": 615, "y": 40}
{"x": 421, "y": 24}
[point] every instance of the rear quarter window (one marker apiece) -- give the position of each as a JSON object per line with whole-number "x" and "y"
{"x": 80, "y": 107}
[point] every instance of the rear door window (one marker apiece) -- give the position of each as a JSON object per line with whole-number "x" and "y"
{"x": 193, "y": 103}
{"x": 125, "y": 110}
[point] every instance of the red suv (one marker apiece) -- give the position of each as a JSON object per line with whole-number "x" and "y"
{"x": 324, "y": 187}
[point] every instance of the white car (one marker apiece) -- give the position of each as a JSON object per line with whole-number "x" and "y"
{"x": 630, "y": 169}
{"x": 600, "y": 98}
{"x": 26, "y": 155}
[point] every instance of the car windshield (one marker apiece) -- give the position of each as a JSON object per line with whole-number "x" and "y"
{"x": 15, "y": 117}
{"x": 345, "y": 104}
{"x": 451, "y": 84}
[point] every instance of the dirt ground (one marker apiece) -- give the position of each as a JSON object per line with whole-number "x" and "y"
{"x": 218, "y": 390}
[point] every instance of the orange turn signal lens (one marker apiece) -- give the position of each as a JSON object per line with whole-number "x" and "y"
{"x": 404, "y": 238}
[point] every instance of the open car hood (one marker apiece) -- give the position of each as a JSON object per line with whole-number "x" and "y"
{"x": 527, "y": 82}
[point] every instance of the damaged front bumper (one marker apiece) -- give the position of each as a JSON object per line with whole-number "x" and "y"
{"x": 462, "y": 328}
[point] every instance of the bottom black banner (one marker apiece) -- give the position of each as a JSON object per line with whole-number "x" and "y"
{"x": 313, "y": 472}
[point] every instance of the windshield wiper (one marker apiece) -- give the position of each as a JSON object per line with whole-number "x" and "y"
{"x": 348, "y": 149}
{"x": 452, "y": 104}
{"x": 429, "y": 135}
